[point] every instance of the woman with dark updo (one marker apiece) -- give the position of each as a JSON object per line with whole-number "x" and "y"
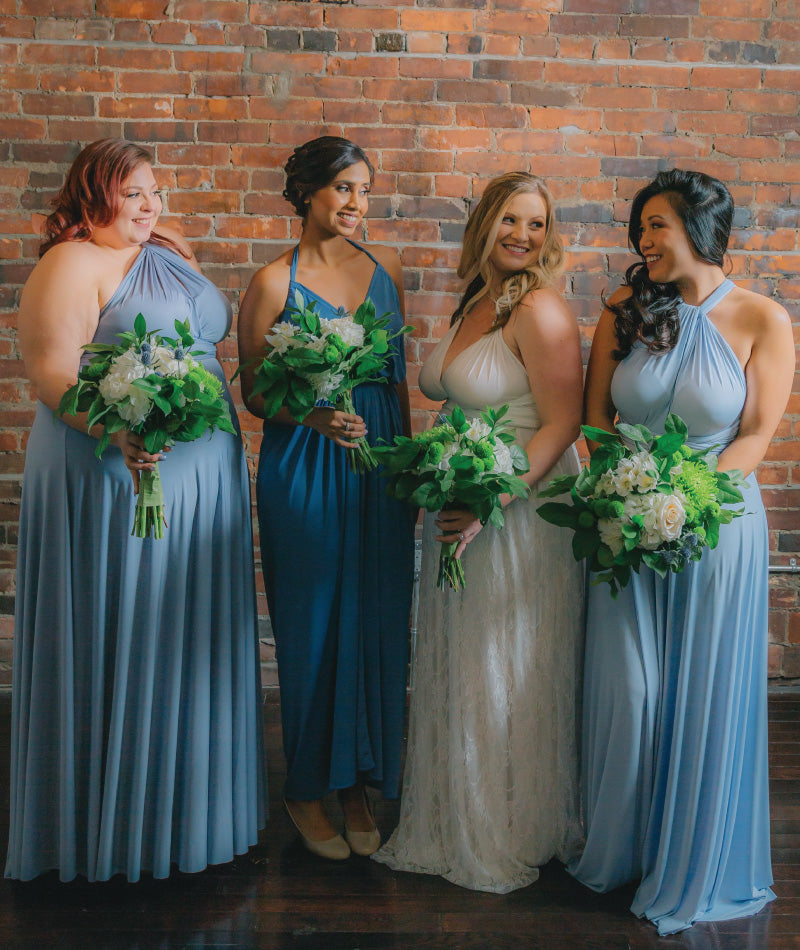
{"x": 675, "y": 704}
{"x": 336, "y": 551}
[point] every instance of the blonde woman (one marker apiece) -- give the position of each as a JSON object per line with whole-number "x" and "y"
{"x": 490, "y": 789}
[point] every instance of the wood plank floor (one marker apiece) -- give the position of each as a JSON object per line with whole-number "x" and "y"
{"x": 278, "y": 896}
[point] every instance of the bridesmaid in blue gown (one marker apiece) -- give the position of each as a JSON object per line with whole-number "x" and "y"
{"x": 337, "y": 552}
{"x": 675, "y": 719}
{"x": 137, "y": 740}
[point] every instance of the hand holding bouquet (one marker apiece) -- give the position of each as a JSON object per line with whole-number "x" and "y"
{"x": 658, "y": 502}
{"x": 460, "y": 463}
{"x": 152, "y": 386}
{"x": 313, "y": 360}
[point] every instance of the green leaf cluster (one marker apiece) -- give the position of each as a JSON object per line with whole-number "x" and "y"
{"x": 411, "y": 466}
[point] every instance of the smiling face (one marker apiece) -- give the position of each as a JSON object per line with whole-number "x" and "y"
{"x": 521, "y": 234}
{"x": 339, "y": 207}
{"x": 139, "y": 205}
{"x": 664, "y": 244}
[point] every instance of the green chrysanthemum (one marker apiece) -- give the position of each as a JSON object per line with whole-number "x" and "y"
{"x": 435, "y": 453}
{"x": 698, "y": 484}
{"x": 442, "y": 433}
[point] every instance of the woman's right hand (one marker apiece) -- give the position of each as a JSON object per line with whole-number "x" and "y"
{"x": 339, "y": 427}
{"x": 134, "y": 456}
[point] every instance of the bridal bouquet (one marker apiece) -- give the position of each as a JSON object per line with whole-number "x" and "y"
{"x": 461, "y": 463}
{"x": 313, "y": 359}
{"x": 657, "y": 502}
{"x": 150, "y": 385}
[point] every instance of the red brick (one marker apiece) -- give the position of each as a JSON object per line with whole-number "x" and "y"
{"x": 519, "y": 23}
{"x": 718, "y": 29}
{"x": 668, "y": 26}
{"x": 455, "y": 139}
{"x": 206, "y": 62}
{"x": 157, "y": 83}
{"x": 417, "y": 114}
{"x": 135, "y": 108}
{"x": 437, "y": 21}
{"x": 149, "y": 58}
{"x": 372, "y": 67}
{"x": 766, "y": 102}
{"x": 406, "y": 90}
{"x": 56, "y": 8}
{"x": 580, "y": 73}
{"x": 129, "y": 9}
{"x": 755, "y": 9}
{"x": 363, "y": 18}
{"x": 366, "y": 113}
{"x": 421, "y": 68}
{"x": 287, "y": 14}
{"x": 204, "y": 11}
{"x": 471, "y": 91}
{"x": 425, "y": 42}
{"x": 58, "y": 104}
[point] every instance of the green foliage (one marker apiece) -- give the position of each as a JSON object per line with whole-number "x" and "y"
{"x": 597, "y": 501}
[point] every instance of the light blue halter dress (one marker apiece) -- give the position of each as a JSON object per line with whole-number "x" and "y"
{"x": 137, "y": 737}
{"x": 338, "y": 567}
{"x": 675, "y": 712}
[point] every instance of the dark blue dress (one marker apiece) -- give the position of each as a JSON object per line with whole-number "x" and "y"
{"x": 337, "y": 554}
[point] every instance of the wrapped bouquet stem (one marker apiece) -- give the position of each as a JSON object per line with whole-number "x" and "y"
{"x": 459, "y": 464}
{"x": 315, "y": 361}
{"x": 152, "y": 386}
{"x": 643, "y": 499}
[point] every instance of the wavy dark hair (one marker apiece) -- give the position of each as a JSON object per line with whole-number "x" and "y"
{"x": 90, "y": 195}
{"x": 315, "y": 164}
{"x": 705, "y": 207}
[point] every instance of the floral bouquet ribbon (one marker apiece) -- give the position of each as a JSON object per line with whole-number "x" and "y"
{"x": 313, "y": 360}
{"x": 643, "y": 498}
{"x": 150, "y": 385}
{"x": 460, "y": 464}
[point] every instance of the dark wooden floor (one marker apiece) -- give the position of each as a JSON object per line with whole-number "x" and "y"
{"x": 278, "y": 896}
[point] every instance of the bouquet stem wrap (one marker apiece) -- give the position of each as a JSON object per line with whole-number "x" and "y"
{"x": 361, "y": 457}
{"x": 148, "y": 519}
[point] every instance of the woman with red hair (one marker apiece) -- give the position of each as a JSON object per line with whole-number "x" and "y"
{"x": 136, "y": 725}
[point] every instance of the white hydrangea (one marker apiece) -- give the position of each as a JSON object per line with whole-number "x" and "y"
{"x": 610, "y": 531}
{"x": 137, "y": 408}
{"x": 166, "y": 363}
{"x": 503, "y": 463}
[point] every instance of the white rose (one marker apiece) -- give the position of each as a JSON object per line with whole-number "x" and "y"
{"x": 670, "y": 517}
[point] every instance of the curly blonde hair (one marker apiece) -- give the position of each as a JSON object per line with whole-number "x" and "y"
{"x": 479, "y": 239}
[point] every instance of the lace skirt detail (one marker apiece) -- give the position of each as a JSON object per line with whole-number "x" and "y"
{"x": 490, "y": 789}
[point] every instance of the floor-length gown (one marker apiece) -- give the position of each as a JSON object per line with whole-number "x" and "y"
{"x": 337, "y": 554}
{"x": 136, "y": 714}
{"x": 675, "y": 713}
{"x": 490, "y": 790}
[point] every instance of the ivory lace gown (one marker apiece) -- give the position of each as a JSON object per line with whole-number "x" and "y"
{"x": 491, "y": 779}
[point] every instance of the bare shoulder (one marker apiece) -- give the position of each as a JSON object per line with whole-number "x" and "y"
{"x": 620, "y": 295}
{"x": 542, "y": 309}
{"x": 388, "y": 258}
{"x": 760, "y": 313}
{"x": 268, "y": 289}
{"x": 68, "y": 265}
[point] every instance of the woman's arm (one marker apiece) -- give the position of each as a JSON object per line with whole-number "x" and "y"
{"x": 59, "y": 312}
{"x": 598, "y": 409}
{"x": 261, "y": 307}
{"x": 769, "y": 373}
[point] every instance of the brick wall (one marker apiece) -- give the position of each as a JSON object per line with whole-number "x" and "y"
{"x": 594, "y": 95}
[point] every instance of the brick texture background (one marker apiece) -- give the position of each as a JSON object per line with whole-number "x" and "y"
{"x": 593, "y": 95}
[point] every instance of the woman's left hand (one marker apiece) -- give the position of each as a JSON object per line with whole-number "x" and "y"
{"x": 460, "y": 526}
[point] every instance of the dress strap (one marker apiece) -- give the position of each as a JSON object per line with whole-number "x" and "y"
{"x": 365, "y": 251}
{"x": 293, "y": 265}
{"x": 714, "y": 298}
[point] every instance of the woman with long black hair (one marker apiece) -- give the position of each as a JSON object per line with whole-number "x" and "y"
{"x": 675, "y": 717}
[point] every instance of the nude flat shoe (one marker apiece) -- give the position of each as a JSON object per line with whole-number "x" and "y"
{"x": 334, "y": 849}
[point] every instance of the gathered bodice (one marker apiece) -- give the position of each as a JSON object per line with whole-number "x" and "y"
{"x": 383, "y": 294}
{"x": 164, "y": 287}
{"x": 700, "y": 379}
{"x": 485, "y": 374}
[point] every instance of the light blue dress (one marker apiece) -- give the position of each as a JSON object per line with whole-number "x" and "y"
{"x": 675, "y": 712}
{"x": 338, "y": 567}
{"x": 136, "y": 717}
